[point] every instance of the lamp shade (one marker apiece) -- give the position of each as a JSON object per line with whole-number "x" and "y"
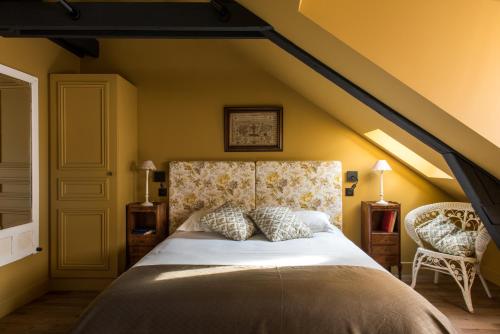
{"x": 147, "y": 165}
{"x": 381, "y": 165}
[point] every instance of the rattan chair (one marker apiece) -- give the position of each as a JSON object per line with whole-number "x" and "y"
{"x": 462, "y": 269}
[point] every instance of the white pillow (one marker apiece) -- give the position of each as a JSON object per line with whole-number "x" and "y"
{"x": 192, "y": 224}
{"x": 317, "y": 221}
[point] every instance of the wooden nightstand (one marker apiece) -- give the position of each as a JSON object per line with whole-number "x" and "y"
{"x": 384, "y": 247}
{"x": 146, "y": 227}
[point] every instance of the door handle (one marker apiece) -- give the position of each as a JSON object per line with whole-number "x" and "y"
{"x": 109, "y": 173}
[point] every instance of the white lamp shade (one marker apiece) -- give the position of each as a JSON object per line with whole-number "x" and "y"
{"x": 381, "y": 165}
{"x": 147, "y": 165}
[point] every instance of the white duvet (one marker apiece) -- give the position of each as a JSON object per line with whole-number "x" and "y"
{"x": 208, "y": 248}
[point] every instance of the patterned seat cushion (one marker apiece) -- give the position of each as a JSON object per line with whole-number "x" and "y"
{"x": 443, "y": 235}
{"x": 460, "y": 243}
{"x": 230, "y": 221}
{"x": 278, "y": 223}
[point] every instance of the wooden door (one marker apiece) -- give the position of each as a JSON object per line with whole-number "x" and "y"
{"x": 83, "y": 144}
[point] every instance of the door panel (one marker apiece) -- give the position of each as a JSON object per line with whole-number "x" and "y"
{"x": 83, "y": 189}
{"x": 82, "y": 124}
{"x": 83, "y": 236}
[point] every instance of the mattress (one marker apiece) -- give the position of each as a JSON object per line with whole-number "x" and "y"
{"x": 207, "y": 248}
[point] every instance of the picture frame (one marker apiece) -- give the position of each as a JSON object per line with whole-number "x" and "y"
{"x": 253, "y": 128}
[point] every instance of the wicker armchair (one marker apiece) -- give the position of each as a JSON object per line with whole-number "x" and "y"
{"x": 462, "y": 269}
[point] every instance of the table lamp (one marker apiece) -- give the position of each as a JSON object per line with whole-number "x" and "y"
{"x": 147, "y": 165}
{"x": 381, "y": 166}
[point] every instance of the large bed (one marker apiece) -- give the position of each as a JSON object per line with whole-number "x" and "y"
{"x": 201, "y": 282}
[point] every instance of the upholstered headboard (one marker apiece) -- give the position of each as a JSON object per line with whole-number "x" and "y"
{"x": 208, "y": 184}
{"x": 314, "y": 185}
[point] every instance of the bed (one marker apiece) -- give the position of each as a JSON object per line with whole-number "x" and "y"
{"x": 200, "y": 282}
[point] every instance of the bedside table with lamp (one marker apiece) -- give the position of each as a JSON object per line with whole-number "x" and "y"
{"x": 147, "y": 223}
{"x": 381, "y": 226}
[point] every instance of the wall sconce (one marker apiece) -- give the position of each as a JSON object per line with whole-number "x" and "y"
{"x": 159, "y": 176}
{"x": 351, "y": 176}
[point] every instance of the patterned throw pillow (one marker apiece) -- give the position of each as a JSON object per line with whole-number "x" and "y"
{"x": 442, "y": 234}
{"x": 460, "y": 243}
{"x": 279, "y": 223}
{"x": 435, "y": 230}
{"x": 230, "y": 221}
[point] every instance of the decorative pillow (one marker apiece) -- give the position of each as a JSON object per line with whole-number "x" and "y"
{"x": 435, "y": 230}
{"x": 278, "y": 223}
{"x": 442, "y": 234}
{"x": 460, "y": 243}
{"x": 192, "y": 224}
{"x": 230, "y": 221}
{"x": 317, "y": 221}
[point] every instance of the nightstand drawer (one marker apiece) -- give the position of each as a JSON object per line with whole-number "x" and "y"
{"x": 385, "y": 239}
{"x": 385, "y": 250}
{"x": 386, "y": 260}
{"x": 142, "y": 240}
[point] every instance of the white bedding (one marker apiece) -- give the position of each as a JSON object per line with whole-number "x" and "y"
{"x": 208, "y": 248}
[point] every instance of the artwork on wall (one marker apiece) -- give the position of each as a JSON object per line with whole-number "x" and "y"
{"x": 253, "y": 129}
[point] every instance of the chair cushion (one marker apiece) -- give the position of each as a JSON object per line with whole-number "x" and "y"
{"x": 230, "y": 221}
{"x": 460, "y": 243}
{"x": 446, "y": 237}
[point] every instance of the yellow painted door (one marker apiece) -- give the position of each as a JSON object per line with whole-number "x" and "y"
{"x": 83, "y": 145}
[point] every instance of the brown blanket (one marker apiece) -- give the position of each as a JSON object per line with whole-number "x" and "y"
{"x": 202, "y": 299}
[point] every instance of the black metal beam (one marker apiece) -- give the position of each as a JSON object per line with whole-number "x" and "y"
{"x": 482, "y": 188}
{"x": 357, "y": 92}
{"x": 81, "y": 47}
{"x": 219, "y": 19}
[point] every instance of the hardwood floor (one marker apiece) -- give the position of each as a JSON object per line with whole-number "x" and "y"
{"x": 55, "y": 312}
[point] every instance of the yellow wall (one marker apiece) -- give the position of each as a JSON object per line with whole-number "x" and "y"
{"x": 26, "y": 279}
{"x": 446, "y": 50}
{"x": 183, "y": 86}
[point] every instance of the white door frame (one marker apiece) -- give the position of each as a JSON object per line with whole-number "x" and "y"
{"x": 20, "y": 235}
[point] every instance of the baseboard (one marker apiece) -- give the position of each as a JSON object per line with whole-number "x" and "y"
{"x": 79, "y": 284}
{"x": 23, "y": 297}
{"x": 491, "y": 274}
{"x": 406, "y": 267}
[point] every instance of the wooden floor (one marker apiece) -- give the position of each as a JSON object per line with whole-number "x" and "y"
{"x": 55, "y": 312}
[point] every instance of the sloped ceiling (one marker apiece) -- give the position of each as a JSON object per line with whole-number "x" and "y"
{"x": 285, "y": 17}
{"x": 445, "y": 50}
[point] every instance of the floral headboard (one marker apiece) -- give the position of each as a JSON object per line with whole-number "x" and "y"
{"x": 314, "y": 185}
{"x": 208, "y": 184}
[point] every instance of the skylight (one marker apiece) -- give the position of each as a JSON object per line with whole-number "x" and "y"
{"x": 402, "y": 152}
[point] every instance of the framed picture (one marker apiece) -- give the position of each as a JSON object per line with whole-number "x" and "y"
{"x": 253, "y": 129}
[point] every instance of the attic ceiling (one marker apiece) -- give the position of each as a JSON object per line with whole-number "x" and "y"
{"x": 444, "y": 44}
{"x": 352, "y": 71}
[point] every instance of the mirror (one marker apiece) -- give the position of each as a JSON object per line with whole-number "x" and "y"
{"x": 18, "y": 164}
{"x": 15, "y": 152}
